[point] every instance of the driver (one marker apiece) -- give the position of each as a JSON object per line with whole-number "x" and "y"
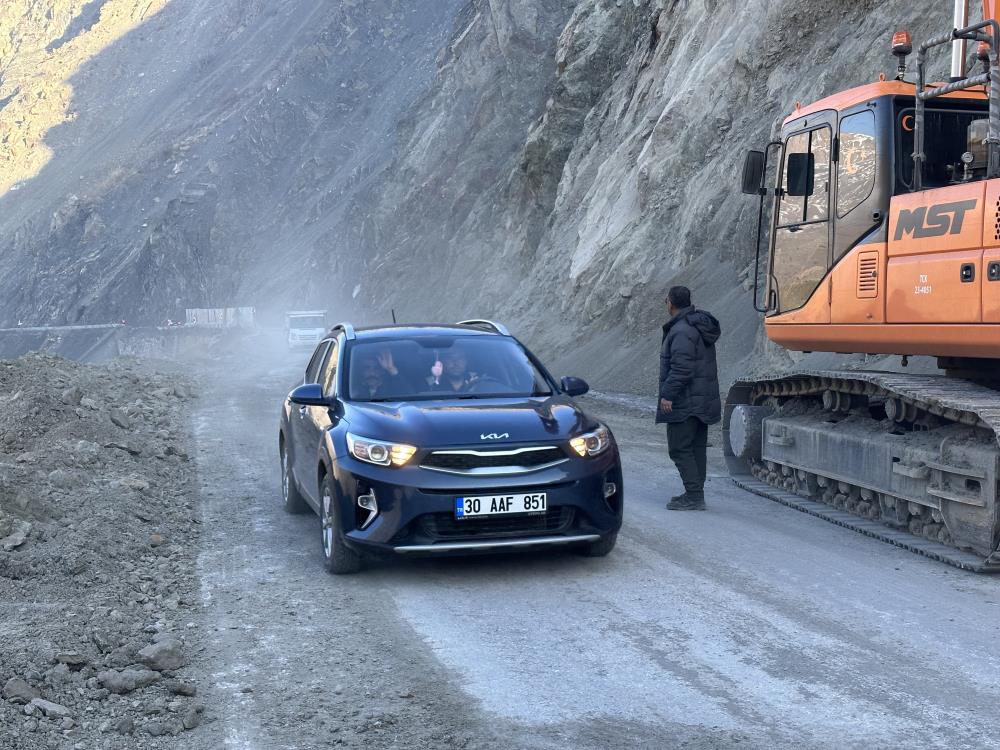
{"x": 453, "y": 375}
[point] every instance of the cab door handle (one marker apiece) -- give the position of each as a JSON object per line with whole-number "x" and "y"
{"x": 302, "y": 412}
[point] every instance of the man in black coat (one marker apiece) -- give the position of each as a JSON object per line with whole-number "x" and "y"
{"x": 689, "y": 392}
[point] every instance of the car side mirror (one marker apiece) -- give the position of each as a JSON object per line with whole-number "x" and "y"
{"x": 801, "y": 174}
{"x": 310, "y": 394}
{"x": 753, "y": 173}
{"x": 574, "y": 386}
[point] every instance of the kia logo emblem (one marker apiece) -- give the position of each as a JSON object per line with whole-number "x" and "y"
{"x": 495, "y": 436}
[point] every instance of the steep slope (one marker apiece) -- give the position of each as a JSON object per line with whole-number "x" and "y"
{"x": 201, "y": 150}
{"x": 555, "y": 163}
{"x": 626, "y": 183}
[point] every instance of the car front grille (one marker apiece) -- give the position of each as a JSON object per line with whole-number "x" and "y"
{"x": 446, "y": 526}
{"x": 516, "y": 461}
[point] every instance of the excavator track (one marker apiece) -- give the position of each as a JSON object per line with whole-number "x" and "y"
{"x": 911, "y": 460}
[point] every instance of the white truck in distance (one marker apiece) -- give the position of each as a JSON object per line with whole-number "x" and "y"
{"x": 305, "y": 329}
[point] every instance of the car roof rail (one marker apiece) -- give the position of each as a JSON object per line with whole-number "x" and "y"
{"x": 347, "y": 328}
{"x": 502, "y": 330}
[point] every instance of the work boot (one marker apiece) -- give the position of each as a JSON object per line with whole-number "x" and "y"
{"x": 678, "y": 502}
{"x": 685, "y": 503}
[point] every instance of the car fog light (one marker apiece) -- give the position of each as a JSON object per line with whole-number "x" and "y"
{"x": 610, "y": 489}
{"x": 369, "y": 503}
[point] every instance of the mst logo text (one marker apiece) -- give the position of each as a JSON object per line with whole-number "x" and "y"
{"x": 933, "y": 221}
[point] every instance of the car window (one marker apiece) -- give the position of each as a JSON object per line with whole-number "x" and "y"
{"x": 329, "y": 379}
{"x": 312, "y": 369}
{"x": 442, "y": 367}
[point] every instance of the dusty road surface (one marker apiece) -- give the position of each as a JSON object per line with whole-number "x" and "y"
{"x": 750, "y": 625}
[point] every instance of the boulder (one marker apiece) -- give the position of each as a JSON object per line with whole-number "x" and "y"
{"x": 165, "y": 655}
{"x": 17, "y": 690}
{"x": 17, "y": 536}
{"x": 50, "y": 709}
{"x": 127, "y": 680}
{"x": 120, "y": 418}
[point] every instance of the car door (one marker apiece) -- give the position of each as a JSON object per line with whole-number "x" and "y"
{"x": 314, "y": 422}
{"x": 303, "y": 451}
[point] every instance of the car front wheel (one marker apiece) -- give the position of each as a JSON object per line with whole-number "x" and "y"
{"x": 337, "y": 556}
{"x": 291, "y": 497}
{"x": 602, "y": 546}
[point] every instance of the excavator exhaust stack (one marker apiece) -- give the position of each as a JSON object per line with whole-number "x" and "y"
{"x": 959, "y": 50}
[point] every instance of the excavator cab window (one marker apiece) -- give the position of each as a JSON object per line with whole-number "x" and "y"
{"x": 858, "y": 163}
{"x": 953, "y": 144}
{"x": 799, "y": 260}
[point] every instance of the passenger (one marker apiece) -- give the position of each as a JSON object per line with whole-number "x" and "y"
{"x": 380, "y": 376}
{"x": 453, "y": 375}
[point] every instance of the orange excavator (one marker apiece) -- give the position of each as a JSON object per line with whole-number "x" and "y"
{"x": 883, "y": 237}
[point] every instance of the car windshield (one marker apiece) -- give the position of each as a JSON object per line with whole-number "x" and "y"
{"x": 442, "y": 367}
{"x": 307, "y": 321}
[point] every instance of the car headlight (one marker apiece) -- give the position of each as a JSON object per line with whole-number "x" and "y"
{"x": 592, "y": 443}
{"x": 378, "y": 452}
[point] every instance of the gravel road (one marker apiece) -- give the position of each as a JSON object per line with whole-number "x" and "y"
{"x": 748, "y": 625}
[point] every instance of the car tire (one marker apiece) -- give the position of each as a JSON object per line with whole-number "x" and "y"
{"x": 338, "y": 558}
{"x": 602, "y": 546}
{"x": 293, "y": 501}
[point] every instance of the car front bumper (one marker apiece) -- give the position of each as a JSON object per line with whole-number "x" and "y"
{"x": 416, "y": 508}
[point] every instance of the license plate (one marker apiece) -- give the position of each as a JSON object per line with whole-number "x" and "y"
{"x": 498, "y": 505}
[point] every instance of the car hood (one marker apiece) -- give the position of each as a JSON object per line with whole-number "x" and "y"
{"x": 479, "y": 422}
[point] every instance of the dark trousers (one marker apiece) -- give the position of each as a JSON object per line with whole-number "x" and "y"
{"x": 687, "y": 443}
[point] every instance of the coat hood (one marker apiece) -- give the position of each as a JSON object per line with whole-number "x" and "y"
{"x": 703, "y": 322}
{"x": 706, "y": 324}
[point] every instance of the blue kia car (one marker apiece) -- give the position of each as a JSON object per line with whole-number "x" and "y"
{"x": 428, "y": 440}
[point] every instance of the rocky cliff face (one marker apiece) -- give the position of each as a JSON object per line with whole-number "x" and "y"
{"x": 193, "y": 151}
{"x": 627, "y": 180}
{"x": 556, "y": 164}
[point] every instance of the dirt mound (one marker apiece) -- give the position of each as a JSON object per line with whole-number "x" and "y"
{"x": 98, "y": 531}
